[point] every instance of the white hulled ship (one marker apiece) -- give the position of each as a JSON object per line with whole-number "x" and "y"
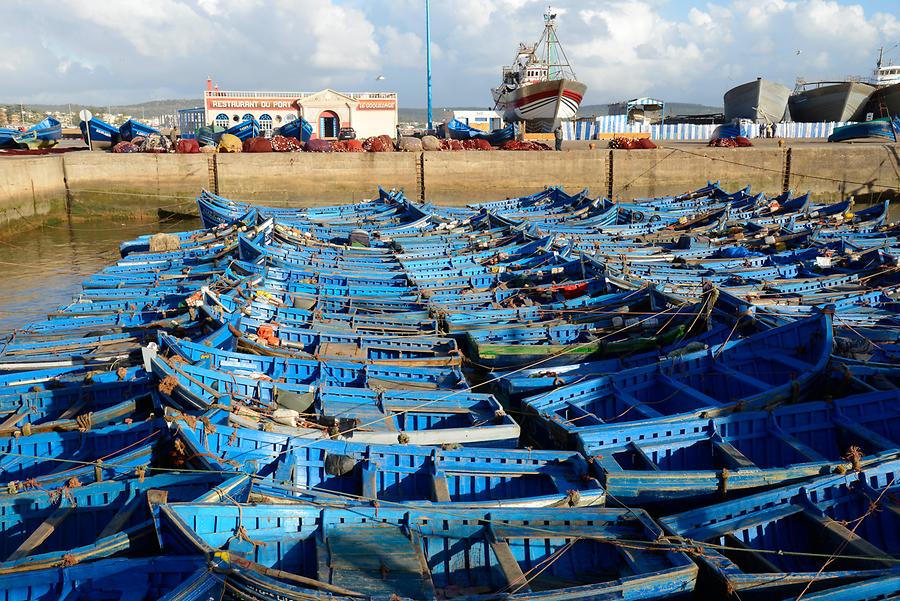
{"x": 539, "y": 88}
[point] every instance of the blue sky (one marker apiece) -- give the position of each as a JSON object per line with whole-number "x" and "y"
{"x": 122, "y": 51}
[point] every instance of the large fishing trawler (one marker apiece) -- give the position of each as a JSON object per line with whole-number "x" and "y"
{"x": 540, "y": 88}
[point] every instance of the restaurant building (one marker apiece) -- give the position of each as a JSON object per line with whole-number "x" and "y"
{"x": 368, "y": 113}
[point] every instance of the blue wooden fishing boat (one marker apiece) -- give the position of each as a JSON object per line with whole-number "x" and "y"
{"x": 41, "y": 413}
{"x": 172, "y": 578}
{"x": 41, "y": 525}
{"x": 7, "y": 135}
{"x": 246, "y": 129}
{"x": 336, "y": 400}
{"x": 753, "y": 372}
{"x": 134, "y": 129}
{"x": 887, "y": 128}
{"x": 834, "y": 530}
{"x": 43, "y": 134}
{"x": 742, "y": 451}
{"x": 50, "y": 459}
{"x": 288, "y": 468}
{"x": 430, "y": 553}
{"x": 874, "y": 589}
{"x": 101, "y": 133}
{"x": 457, "y": 130}
{"x": 297, "y": 128}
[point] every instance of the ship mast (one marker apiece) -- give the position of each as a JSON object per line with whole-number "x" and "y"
{"x": 556, "y": 68}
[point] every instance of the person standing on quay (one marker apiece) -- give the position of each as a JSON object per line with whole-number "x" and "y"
{"x": 557, "y": 135}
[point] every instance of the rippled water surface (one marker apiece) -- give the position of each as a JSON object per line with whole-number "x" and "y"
{"x": 43, "y": 269}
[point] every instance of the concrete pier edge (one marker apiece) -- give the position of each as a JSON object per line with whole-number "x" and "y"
{"x": 92, "y": 184}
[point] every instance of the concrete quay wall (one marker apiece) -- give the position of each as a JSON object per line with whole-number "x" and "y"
{"x": 31, "y": 188}
{"x": 85, "y": 184}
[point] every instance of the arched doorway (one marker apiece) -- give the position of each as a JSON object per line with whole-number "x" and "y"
{"x": 329, "y": 124}
{"x": 222, "y": 120}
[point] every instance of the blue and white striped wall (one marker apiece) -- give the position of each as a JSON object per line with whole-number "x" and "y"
{"x": 618, "y": 124}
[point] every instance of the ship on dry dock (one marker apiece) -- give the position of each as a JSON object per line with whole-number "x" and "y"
{"x": 539, "y": 87}
{"x": 762, "y": 101}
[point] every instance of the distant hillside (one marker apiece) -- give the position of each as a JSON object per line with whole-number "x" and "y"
{"x": 153, "y": 107}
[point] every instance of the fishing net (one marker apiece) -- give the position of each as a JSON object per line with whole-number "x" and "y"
{"x": 230, "y": 143}
{"x": 525, "y": 145}
{"x": 409, "y": 144}
{"x": 156, "y": 143}
{"x": 375, "y": 144}
{"x": 723, "y": 143}
{"x": 208, "y": 149}
{"x": 319, "y": 145}
{"x": 742, "y": 141}
{"x": 257, "y": 145}
{"x": 451, "y": 145}
{"x": 124, "y": 147}
{"x": 285, "y": 144}
{"x": 388, "y": 142}
{"x": 354, "y": 146}
{"x": 163, "y": 242}
{"x": 187, "y": 146}
{"x": 430, "y": 143}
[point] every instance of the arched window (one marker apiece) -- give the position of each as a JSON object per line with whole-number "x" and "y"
{"x": 221, "y": 120}
{"x": 247, "y": 117}
{"x": 265, "y": 124}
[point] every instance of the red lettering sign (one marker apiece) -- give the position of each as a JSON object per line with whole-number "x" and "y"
{"x": 376, "y": 105}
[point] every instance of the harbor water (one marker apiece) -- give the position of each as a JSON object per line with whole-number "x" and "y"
{"x": 46, "y": 266}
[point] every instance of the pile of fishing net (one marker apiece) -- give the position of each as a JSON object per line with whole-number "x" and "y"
{"x": 525, "y": 145}
{"x": 187, "y": 146}
{"x": 348, "y": 146}
{"x": 409, "y": 144}
{"x": 622, "y": 143}
{"x": 123, "y": 147}
{"x": 430, "y": 143}
{"x": 285, "y": 144}
{"x": 477, "y": 144}
{"x": 153, "y": 143}
{"x": 230, "y": 143}
{"x": 379, "y": 144}
{"x": 319, "y": 145}
{"x": 735, "y": 142}
{"x": 257, "y": 145}
{"x": 452, "y": 145}
{"x": 209, "y": 149}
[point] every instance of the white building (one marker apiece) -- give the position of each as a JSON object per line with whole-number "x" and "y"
{"x": 483, "y": 120}
{"x": 368, "y": 113}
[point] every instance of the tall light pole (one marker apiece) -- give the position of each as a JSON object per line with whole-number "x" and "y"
{"x": 428, "y": 58}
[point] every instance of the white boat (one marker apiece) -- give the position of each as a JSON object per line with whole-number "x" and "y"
{"x": 539, "y": 88}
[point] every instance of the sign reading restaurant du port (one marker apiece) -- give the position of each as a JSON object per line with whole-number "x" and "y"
{"x": 248, "y": 103}
{"x": 281, "y": 103}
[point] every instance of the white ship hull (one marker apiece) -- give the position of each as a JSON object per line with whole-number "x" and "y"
{"x": 541, "y": 105}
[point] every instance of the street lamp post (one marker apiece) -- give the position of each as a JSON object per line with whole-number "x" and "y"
{"x": 428, "y": 59}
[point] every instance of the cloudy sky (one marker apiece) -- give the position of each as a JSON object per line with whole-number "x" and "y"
{"x": 122, "y": 51}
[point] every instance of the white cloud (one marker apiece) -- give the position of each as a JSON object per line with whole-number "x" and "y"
{"x": 692, "y": 50}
